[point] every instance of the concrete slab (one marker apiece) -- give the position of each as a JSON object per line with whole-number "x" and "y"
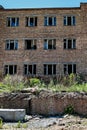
{"x": 13, "y": 114}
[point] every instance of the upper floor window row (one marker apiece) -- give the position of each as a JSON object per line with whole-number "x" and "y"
{"x": 31, "y": 44}
{"x": 48, "y": 21}
{"x": 12, "y": 21}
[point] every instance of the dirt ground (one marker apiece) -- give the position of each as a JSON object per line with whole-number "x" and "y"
{"x": 65, "y": 122}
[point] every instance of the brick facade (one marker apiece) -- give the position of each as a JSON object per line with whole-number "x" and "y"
{"x": 59, "y": 32}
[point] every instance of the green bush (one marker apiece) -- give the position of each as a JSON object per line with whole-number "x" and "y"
{"x": 13, "y": 83}
{"x": 80, "y": 78}
{"x": 69, "y": 110}
{"x": 1, "y": 123}
{"x": 35, "y": 82}
{"x": 18, "y": 124}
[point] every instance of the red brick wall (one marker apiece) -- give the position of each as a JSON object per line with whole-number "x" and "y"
{"x": 45, "y": 103}
{"x": 59, "y": 32}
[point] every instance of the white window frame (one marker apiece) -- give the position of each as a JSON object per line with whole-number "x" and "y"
{"x": 16, "y": 20}
{"x": 65, "y": 41}
{"x": 46, "y": 20}
{"x": 9, "y": 44}
{"x": 46, "y": 44}
{"x": 47, "y": 69}
{"x": 67, "y": 67}
{"x": 28, "y": 22}
{"x": 73, "y": 23}
{"x": 27, "y": 67}
{"x": 7, "y": 67}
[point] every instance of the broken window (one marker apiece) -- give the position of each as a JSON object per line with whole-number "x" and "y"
{"x": 69, "y": 43}
{"x": 30, "y": 44}
{"x": 10, "y": 69}
{"x": 31, "y": 21}
{"x": 49, "y": 44}
{"x": 50, "y": 21}
{"x": 12, "y": 22}
{"x": 30, "y": 69}
{"x": 69, "y": 20}
{"x": 69, "y": 68}
{"x": 11, "y": 45}
{"x": 49, "y": 69}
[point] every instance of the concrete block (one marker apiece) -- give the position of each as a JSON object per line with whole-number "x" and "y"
{"x": 12, "y": 114}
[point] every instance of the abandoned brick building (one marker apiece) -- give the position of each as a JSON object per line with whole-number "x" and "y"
{"x": 43, "y": 41}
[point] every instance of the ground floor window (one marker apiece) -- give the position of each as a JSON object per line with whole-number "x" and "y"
{"x": 10, "y": 69}
{"x": 30, "y": 69}
{"x": 69, "y": 68}
{"x": 49, "y": 69}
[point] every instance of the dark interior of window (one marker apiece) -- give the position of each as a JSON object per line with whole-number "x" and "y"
{"x": 69, "y": 20}
{"x": 34, "y": 69}
{"x": 54, "y": 69}
{"x": 27, "y": 44}
{"x": 12, "y": 45}
{"x": 44, "y": 69}
{"x": 13, "y": 22}
{"x": 50, "y": 44}
{"x": 30, "y": 69}
{"x": 49, "y": 69}
{"x": 69, "y": 69}
{"x": 50, "y": 21}
{"x": 31, "y": 21}
{"x": 35, "y": 21}
{"x": 8, "y": 22}
{"x": 74, "y": 68}
{"x": 30, "y": 45}
{"x": 69, "y": 44}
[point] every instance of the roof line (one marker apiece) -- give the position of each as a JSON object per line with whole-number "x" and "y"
{"x": 42, "y": 8}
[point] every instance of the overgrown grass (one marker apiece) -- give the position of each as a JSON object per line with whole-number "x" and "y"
{"x": 12, "y": 84}
{"x": 72, "y": 88}
{"x": 70, "y": 83}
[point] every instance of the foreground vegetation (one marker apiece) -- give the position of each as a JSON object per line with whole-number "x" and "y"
{"x": 69, "y": 83}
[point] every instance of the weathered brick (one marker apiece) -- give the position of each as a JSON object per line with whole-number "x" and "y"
{"x": 59, "y": 32}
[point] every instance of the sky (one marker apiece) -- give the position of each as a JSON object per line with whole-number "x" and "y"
{"x": 40, "y": 3}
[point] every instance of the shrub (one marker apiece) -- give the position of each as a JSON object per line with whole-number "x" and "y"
{"x": 69, "y": 110}
{"x": 1, "y": 123}
{"x": 18, "y": 124}
{"x": 34, "y": 82}
{"x": 80, "y": 78}
{"x": 13, "y": 83}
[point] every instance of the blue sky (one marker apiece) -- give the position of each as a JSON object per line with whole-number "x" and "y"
{"x": 40, "y": 3}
